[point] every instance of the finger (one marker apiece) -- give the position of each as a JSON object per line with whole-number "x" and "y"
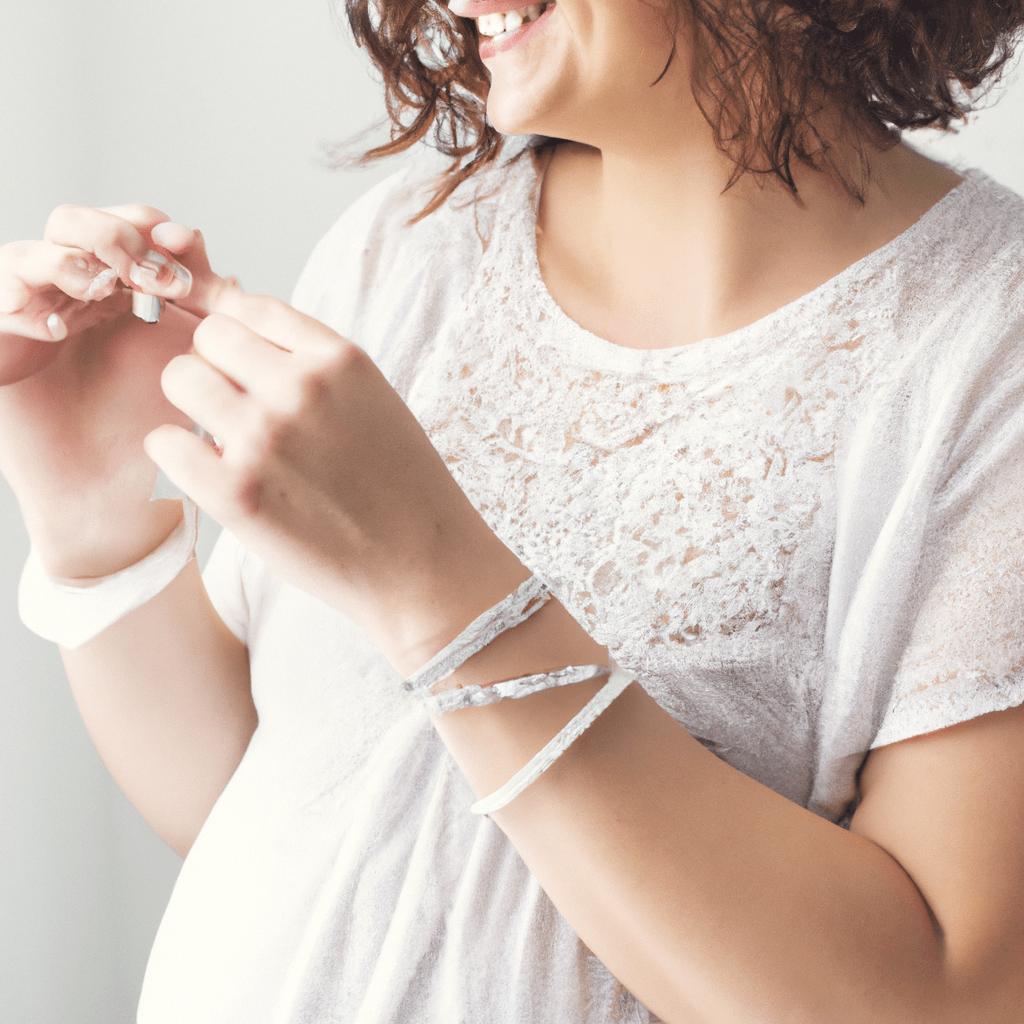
{"x": 120, "y": 244}
{"x": 43, "y": 325}
{"x": 189, "y": 246}
{"x": 177, "y": 238}
{"x": 205, "y": 395}
{"x": 252, "y": 362}
{"x": 26, "y": 268}
{"x": 278, "y": 322}
{"x": 173, "y": 239}
{"x": 191, "y": 464}
{"x": 144, "y": 217}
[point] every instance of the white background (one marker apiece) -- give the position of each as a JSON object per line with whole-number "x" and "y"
{"x": 216, "y": 111}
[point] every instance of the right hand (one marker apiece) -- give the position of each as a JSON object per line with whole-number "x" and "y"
{"x": 80, "y": 378}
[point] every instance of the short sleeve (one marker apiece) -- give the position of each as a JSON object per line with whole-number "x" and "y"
{"x": 225, "y": 584}
{"x": 964, "y": 656}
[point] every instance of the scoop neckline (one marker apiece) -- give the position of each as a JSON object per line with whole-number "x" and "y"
{"x": 576, "y": 340}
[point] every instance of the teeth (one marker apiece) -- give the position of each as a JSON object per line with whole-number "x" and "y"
{"x": 491, "y": 24}
{"x": 498, "y": 24}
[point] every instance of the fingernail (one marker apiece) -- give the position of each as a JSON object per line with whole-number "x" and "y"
{"x": 56, "y": 326}
{"x": 141, "y": 275}
{"x": 182, "y": 274}
{"x": 153, "y": 259}
{"x": 101, "y": 285}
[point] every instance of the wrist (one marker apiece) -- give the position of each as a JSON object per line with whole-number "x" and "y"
{"x": 547, "y": 641}
{"x": 72, "y": 613}
{"x": 92, "y": 542}
{"x": 421, "y": 608}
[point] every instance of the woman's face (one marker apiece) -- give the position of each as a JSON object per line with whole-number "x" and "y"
{"x": 575, "y": 69}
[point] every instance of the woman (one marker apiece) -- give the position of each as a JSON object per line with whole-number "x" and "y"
{"x": 762, "y": 442}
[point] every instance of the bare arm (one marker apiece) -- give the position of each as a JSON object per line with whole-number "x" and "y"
{"x": 165, "y": 696}
{"x": 165, "y": 691}
{"x": 715, "y": 899}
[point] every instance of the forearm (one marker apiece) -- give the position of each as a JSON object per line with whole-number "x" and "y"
{"x": 165, "y": 696}
{"x": 710, "y": 896}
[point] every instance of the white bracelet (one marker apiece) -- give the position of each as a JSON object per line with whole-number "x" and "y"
{"x": 438, "y": 704}
{"x": 71, "y": 616}
{"x": 542, "y": 761}
{"x": 529, "y": 597}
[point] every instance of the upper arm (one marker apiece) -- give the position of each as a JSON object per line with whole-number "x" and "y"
{"x": 948, "y": 806}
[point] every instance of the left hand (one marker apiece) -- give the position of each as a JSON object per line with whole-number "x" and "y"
{"x": 327, "y": 476}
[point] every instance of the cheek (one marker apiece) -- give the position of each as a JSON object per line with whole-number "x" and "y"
{"x": 583, "y": 75}
{"x": 533, "y": 91}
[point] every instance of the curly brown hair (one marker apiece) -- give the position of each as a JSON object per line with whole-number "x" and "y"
{"x": 890, "y": 65}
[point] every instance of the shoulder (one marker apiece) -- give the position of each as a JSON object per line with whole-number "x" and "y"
{"x": 957, "y": 303}
{"x": 381, "y": 259}
{"x": 977, "y": 255}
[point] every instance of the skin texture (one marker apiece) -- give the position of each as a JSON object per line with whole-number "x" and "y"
{"x": 711, "y": 897}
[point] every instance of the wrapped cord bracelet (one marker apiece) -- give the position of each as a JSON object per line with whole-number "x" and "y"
{"x": 529, "y": 597}
{"x": 553, "y": 750}
{"x": 474, "y": 696}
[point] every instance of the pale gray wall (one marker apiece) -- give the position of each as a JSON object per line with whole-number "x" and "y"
{"x": 213, "y": 110}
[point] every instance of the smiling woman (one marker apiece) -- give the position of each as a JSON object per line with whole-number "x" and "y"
{"x": 619, "y": 616}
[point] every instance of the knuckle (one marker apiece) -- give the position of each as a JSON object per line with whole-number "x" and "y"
{"x": 20, "y": 250}
{"x": 312, "y": 389}
{"x": 303, "y": 393}
{"x": 258, "y": 438}
{"x": 246, "y": 492}
{"x": 110, "y": 236}
{"x": 238, "y": 494}
{"x": 349, "y": 358}
{"x": 288, "y": 401}
{"x": 141, "y": 213}
{"x": 62, "y": 214}
{"x": 251, "y": 462}
{"x": 65, "y": 220}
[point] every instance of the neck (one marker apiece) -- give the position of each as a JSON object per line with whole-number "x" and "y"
{"x": 644, "y": 241}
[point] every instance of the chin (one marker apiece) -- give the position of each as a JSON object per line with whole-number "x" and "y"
{"x": 515, "y": 112}
{"x": 513, "y": 118}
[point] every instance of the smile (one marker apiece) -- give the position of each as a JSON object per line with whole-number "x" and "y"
{"x": 499, "y": 29}
{"x": 499, "y": 25}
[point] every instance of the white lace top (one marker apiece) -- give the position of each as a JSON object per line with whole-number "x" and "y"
{"x": 805, "y": 537}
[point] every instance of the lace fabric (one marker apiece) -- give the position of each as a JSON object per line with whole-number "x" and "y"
{"x": 685, "y": 503}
